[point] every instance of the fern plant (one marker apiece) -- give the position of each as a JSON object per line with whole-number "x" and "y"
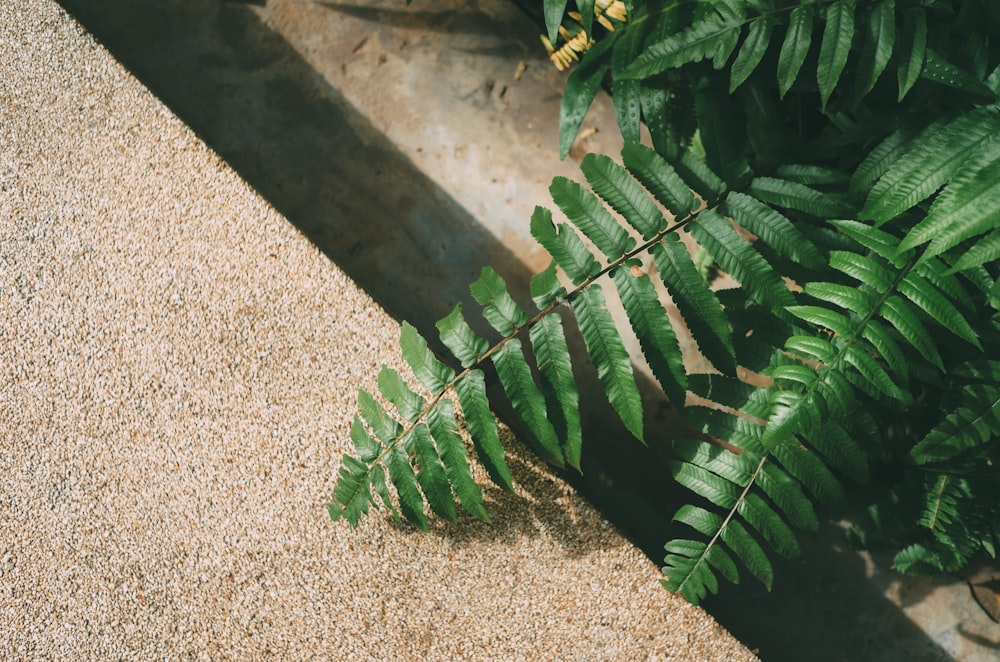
{"x": 859, "y": 214}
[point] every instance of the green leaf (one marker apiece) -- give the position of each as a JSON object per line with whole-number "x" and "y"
{"x": 653, "y": 329}
{"x": 881, "y": 243}
{"x": 581, "y": 87}
{"x": 912, "y": 49}
{"x": 708, "y": 523}
{"x": 939, "y": 307}
{"x": 793, "y": 374}
{"x": 548, "y": 342}
{"x": 704, "y": 483}
{"x": 884, "y": 343}
{"x": 749, "y": 551}
{"x": 444, "y": 430}
{"x": 811, "y": 347}
{"x": 880, "y": 159}
{"x": 899, "y": 313}
{"x": 553, "y": 11}
{"x": 839, "y": 324}
{"x": 367, "y": 447}
{"x": 586, "y": 8}
{"x": 528, "y": 402}
{"x": 394, "y": 388}
{"x": 711, "y": 37}
{"x": 431, "y": 475}
{"x": 586, "y": 212}
{"x": 876, "y": 46}
{"x": 811, "y": 174}
{"x": 565, "y": 246}
{"x": 545, "y": 288}
{"x": 378, "y": 485}
{"x": 384, "y": 426}
{"x": 939, "y": 70}
{"x": 614, "y": 367}
{"x": 848, "y": 298}
{"x": 352, "y": 497}
{"x": 402, "y": 476}
{"x": 795, "y": 47}
{"x": 968, "y": 206}
{"x": 973, "y": 424}
{"x": 687, "y": 571}
{"x": 722, "y": 131}
{"x": 793, "y": 195}
{"x": 775, "y": 230}
{"x": 659, "y": 178}
{"x": 471, "y": 391}
{"x": 500, "y": 309}
{"x": 613, "y": 183}
{"x": 842, "y": 450}
{"x": 699, "y": 177}
{"x": 459, "y": 337}
{"x": 786, "y": 493}
{"x": 698, "y": 305}
{"x": 811, "y": 472}
{"x": 873, "y": 372}
{"x": 751, "y": 52}
{"x": 730, "y": 466}
{"x": 653, "y": 99}
{"x": 625, "y": 95}
{"x": 937, "y": 153}
{"x": 837, "y": 36}
{"x": 769, "y": 524}
{"x": 738, "y": 258}
{"x": 701, "y": 520}
{"x": 431, "y": 372}
{"x": 985, "y": 250}
{"x": 792, "y": 413}
{"x": 862, "y": 268}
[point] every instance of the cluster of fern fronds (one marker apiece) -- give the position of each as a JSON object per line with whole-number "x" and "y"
{"x": 840, "y": 160}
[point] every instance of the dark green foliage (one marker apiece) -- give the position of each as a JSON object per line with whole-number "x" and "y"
{"x": 864, "y": 235}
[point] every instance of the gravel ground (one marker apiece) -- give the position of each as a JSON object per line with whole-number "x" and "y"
{"x": 179, "y": 372}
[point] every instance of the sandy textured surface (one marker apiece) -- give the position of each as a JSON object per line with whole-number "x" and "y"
{"x": 179, "y": 370}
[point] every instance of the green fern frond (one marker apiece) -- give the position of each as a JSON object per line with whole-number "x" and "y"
{"x": 738, "y": 258}
{"x": 973, "y": 424}
{"x": 967, "y": 207}
{"x": 795, "y": 47}
{"x": 912, "y": 50}
{"x": 548, "y": 342}
{"x": 529, "y": 403}
{"x": 714, "y": 37}
{"x": 934, "y": 156}
{"x": 836, "y": 46}
{"x": 661, "y": 179}
{"x": 614, "y": 366}
{"x": 471, "y": 392}
{"x": 877, "y": 43}
{"x": 565, "y": 247}
{"x": 775, "y": 230}
{"x": 652, "y": 327}
{"x": 698, "y": 305}
{"x": 591, "y": 217}
{"x": 792, "y": 195}
{"x": 613, "y": 183}
{"x": 755, "y": 44}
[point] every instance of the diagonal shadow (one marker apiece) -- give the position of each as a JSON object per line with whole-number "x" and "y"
{"x": 450, "y": 21}
{"x": 293, "y": 137}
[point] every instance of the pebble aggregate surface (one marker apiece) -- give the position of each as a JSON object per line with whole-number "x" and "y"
{"x": 179, "y": 373}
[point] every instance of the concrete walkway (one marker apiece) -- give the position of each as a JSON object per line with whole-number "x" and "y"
{"x": 178, "y": 372}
